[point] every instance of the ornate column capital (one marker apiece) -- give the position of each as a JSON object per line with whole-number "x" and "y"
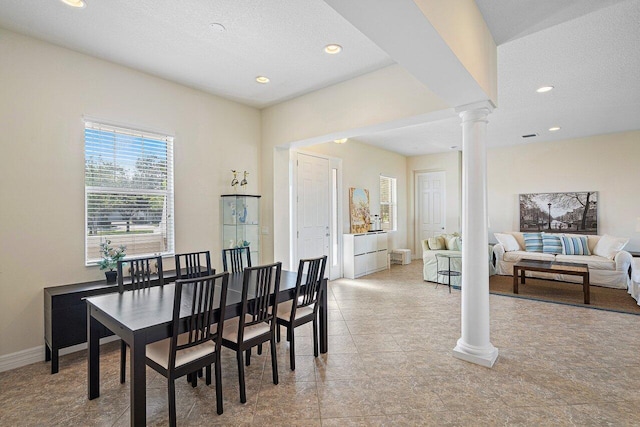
{"x": 476, "y": 111}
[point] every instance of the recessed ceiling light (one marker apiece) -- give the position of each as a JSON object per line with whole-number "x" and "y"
{"x": 544, "y": 89}
{"x": 340, "y": 141}
{"x": 262, "y": 79}
{"x": 75, "y": 3}
{"x": 332, "y": 49}
{"x": 555, "y": 128}
{"x": 216, "y": 27}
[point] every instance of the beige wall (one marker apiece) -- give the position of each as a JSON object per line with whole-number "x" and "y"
{"x": 46, "y": 90}
{"x": 450, "y": 163}
{"x": 347, "y": 109}
{"x": 608, "y": 164}
{"x": 362, "y": 166}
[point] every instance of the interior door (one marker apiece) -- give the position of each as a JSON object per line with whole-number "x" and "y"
{"x": 431, "y": 206}
{"x": 313, "y": 207}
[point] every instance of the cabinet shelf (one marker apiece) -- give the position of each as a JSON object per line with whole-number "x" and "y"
{"x": 240, "y": 220}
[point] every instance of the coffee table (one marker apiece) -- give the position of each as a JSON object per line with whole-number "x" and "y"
{"x": 569, "y": 268}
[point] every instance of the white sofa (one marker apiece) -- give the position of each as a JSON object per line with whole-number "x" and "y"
{"x": 452, "y": 245}
{"x": 603, "y": 271}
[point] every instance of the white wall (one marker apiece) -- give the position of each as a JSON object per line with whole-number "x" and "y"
{"x": 362, "y": 166}
{"x": 46, "y": 90}
{"x": 609, "y": 164}
{"x": 450, "y": 163}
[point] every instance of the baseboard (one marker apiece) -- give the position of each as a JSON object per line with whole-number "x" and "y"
{"x": 36, "y": 354}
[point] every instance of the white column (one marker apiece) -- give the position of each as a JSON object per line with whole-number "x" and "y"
{"x": 474, "y": 344}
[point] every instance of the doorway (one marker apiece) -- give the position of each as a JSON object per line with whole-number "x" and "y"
{"x": 431, "y": 206}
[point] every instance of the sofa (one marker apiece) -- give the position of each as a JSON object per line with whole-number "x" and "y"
{"x": 445, "y": 243}
{"x": 608, "y": 263}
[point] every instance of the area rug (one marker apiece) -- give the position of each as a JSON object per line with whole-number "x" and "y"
{"x": 566, "y": 293}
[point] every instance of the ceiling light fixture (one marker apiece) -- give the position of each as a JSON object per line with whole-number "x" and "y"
{"x": 217, "y": 27}
{"x": 340, "y": 141}
{"x": 544, "y": 89}
{"x": 332, "y": 49}
{"x": 262, "y": 79}
{"x": 555, "y": 128}
{"x": 75, "y": 3}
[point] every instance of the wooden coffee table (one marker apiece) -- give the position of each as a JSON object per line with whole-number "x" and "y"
{"x": 554, "y": 267}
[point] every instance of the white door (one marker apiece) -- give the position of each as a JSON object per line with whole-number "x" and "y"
{"x": 313, "y": 207}
{"x": 431, "y": 206}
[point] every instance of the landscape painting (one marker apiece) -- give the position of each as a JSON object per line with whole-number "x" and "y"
{"x": 359, "y": 210}
{"x": 560, "y": 212}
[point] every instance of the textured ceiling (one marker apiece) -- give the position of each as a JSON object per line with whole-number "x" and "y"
{"x": 587, "y": 49}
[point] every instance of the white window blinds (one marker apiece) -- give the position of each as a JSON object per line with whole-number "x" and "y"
{"x": 128, "y": 191}
{"x": 388, "y": 203}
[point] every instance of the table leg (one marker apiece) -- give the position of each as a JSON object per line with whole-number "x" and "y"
{"x": 515, "y": 279}
{"x": 93, "y": 355}
{"x": 585, "y": 284}
{"x": 324, "y": 338}
{"x": 138, "y": 373}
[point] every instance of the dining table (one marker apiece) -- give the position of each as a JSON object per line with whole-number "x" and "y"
{"x": 144, "y": 316}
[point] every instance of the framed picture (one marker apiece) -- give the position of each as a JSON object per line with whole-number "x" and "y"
{"x": 359, "y": 210}
{"x": 560, "y": 212}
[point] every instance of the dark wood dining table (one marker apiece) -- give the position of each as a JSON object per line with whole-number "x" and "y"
{"x": 145, "y": 316}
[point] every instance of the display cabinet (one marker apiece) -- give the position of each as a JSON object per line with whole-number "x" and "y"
{"x": 241, "y": 223}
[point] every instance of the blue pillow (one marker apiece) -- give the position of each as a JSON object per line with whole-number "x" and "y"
{"x": 551, "y": 244}
{"x": 532, "y": 242}
{"x": 575, "y": 245}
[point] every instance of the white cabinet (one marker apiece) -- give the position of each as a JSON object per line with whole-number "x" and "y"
{"x": 364, "y": 253}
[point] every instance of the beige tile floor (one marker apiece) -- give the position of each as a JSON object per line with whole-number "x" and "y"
{"x": 389, "y": 363}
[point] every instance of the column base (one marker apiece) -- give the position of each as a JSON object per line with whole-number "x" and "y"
{"x": 483, "y": 356}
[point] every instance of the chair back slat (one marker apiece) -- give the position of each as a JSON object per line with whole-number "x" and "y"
{"x": 193, "y": 264}
{"x": 140, "y": 271}
{"x": 233, "y": 260}
{"x": 312, "y": 272}
{"x": 264, "y": 281}
{"x": 201, "y": 292}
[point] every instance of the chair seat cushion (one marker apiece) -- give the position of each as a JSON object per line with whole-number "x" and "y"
{"x": 231, "y": 329}
{"x": 284, "y": 310}
{"x": 159, "y": 351}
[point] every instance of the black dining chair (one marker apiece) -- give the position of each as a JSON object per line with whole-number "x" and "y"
{"x": 304, "y": 307}
{"x": 193, "y": 264}
{"x": 200, "y": 344}
{"x": 256, "y": 323}
{"x": 140, "y": 273}
{"x": 234, "y": 260}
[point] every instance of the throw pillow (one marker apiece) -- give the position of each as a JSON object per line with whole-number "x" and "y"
{"x": 574, "y": 245}
{"x": 609, "y": 246}
{"x": 551, "y": 244}
{"x": 532, "y": 242}
{"x": 436, "y": 243}
{"x": 507, "y": 241}
{"x": 452, "y": 243}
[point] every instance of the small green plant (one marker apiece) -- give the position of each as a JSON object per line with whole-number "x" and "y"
{"x": 110, "y": 255}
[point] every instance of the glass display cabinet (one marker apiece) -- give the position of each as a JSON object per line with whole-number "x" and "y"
{"x": 241, "y": 223}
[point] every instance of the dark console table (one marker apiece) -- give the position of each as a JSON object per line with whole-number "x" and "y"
{"x": 65, "y": 314}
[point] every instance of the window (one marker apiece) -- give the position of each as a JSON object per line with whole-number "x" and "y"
{"x": 128, "y": 191}
{"x": 388, "y": 203}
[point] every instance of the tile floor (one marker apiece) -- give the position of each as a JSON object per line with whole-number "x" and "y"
{"x": 558, "y": 365}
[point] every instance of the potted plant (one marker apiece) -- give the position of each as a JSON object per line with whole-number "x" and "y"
{"x": 110, "y": 258}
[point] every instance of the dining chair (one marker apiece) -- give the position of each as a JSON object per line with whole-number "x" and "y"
{"x": 140, "y": 273}
{"x": 235, "y": 259}
{"x": 193, "y": 264}
{"x": 304, "y": 307}
{"x": 256, "y": 323}
{"x": 200, "y": 344}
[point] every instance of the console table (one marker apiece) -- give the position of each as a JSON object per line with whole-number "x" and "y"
{"x": 65, "y": 314}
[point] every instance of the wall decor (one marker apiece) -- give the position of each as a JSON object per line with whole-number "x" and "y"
{"x": 560, "y": 212}
{"x": 359, "y": 210}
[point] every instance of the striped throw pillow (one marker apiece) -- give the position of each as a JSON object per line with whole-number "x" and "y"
{"x": 551, "y": 244}
{"x": 574, "y": 245}
{"x": 532, "y": 242}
